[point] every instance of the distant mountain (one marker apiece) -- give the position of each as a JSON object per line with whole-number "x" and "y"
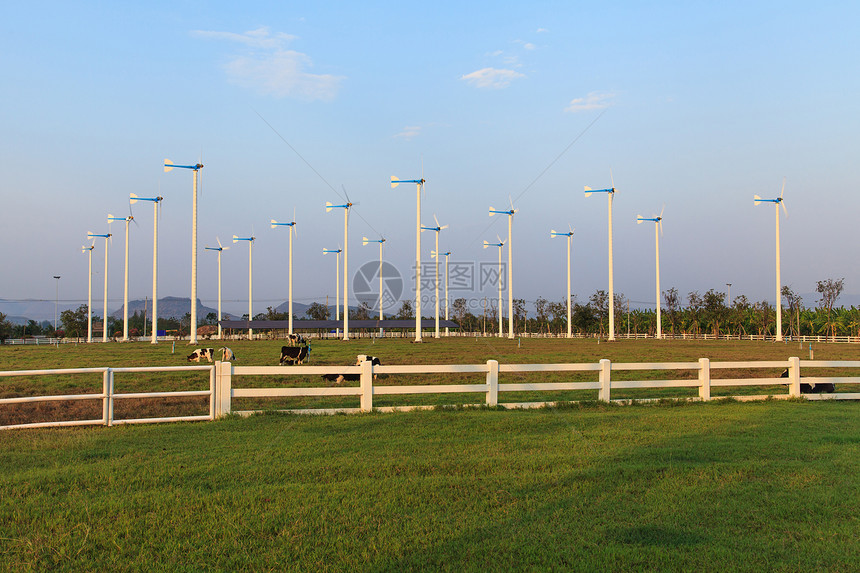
{"x": 168, "y": 307}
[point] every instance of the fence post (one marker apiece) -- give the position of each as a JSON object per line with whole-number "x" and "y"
{"x": 107, "y": 401}
{"x": 212, "y": 376}
{"x": 367, "y": 386}
{"x": 605, "y": 380}
{"x": 492, "y": 382}
{"x": 794, "y": 376}
{"x": 705, "y": 379}
{"x": 223, "y": 386}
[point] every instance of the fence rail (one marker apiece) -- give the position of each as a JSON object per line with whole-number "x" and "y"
{"x": 222, "y": 392}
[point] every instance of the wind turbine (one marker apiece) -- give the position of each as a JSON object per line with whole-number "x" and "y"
{"x": 89, "y": 292}
{"x": 293, "y": 228}
{"x": 365, "y": 241}
{"x": 336, "y": 282}
{"x": 436, "y": 254}
{"x": 129, "y": 219}
{"x": 156, "y": 201}
{"x": 437, "y": 229}
{"x": 610, "y": 193}
{"x": 345, "y": 207}
{"x": 776, "y": 203}
{"x": 569, "y": 235}
{"x": 168, "y": 166}
{"x": 106, "y": 236}
{"x": 220, "y": 249}
{"x": 500, "y": 244}
{"x": 250, "y": 279}
{"x": 419, "y": 184}
{"x": 658, "y": 225}
{"x": 510, "y": 214}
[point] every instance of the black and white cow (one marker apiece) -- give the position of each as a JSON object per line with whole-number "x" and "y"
{"x": 227, "y": 354}
{"x": 828, "y": 387}
{"x": 338, "y": 378}
{"x": 294, "y": 354}
{"x": 296, "y": 339}
{"x": 207, "y": 353}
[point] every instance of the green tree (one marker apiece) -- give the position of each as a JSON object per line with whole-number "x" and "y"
{"x": 318, "y": 311}
{"x": 5, "y": 328}
{"x": 75, "y": 321}
{"x": 829, "y": 290}
{"x": 673, "y": 305}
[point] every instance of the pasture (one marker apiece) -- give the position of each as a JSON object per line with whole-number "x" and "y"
{"x": 702, "y": 486}
{"x": 392, "y": 352}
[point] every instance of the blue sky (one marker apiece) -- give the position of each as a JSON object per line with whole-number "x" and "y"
{"x": 693, "y": 107}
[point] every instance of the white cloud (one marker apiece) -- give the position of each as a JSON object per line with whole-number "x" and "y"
{"x": 259, "y": 38}
{"x": 409, "y": 132}
{"x": 268, "y": 67}
{"x": 594, "y": 100}
{"x": 492, "y": 78}
{"x": 542, "y": 31}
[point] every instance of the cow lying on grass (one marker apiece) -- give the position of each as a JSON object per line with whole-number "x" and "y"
{"x": 338, "y": 378}
{"x": 199, "y": 353}
{"x": 294, "y": 354}
{"x": 828, "y": 387}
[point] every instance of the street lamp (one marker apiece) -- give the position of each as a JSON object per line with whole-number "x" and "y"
{"x": 56, "y": 304}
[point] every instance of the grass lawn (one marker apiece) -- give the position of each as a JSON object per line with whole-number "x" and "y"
{"x": 724, "y": 485}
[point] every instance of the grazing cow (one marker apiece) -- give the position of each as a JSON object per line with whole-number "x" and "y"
{"x": 227, "y": 354}
{"x": 338, "y": 378}
{"x": 294, "y": 354}
{"x": 296, "y": 339}
{"x": 828, "y": 387}
{"x": 199, "y": 353}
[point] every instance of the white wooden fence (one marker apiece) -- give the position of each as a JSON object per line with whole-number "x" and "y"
{"x": 223, "y": 375}
{"x": 108, "y": 396}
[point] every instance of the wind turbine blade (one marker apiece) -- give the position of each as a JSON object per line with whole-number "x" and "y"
{"x": 219, "y": 243}
{"x": 662, "y": 210}
{"x": 394, "y": 181}
{"x": 168, "y": 165}
{"x": 611, "y": 178}
{"x": 660, "y": 222}
{"x": 783, "y": 187}
{"x": 436, "y": 219}
{"x": 294, "y": 229}
{"x": 569, "y": 228}
{"x": 784, "y": 210}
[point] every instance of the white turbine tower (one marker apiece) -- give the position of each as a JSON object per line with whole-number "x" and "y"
{"x": 658, "y": 230}
{"x": 250, "y": 240}
{"x": 129, "y": 219}
{"x": 569, "y": 235}
{"x": 168, "y": 166}
{"x": 89, "y": 292}
{"x": 610, "y": 194}
{"x": 436, "y": 229}
{"x": 336, "y": 283}
{"x": 510, "y": 214}
{"x": 419, "y": 184}
{"x": 107, "y": 237}
{"x": 293, "y": 229}
{"x": 156, "y": 201}
{"x": 500, "y": 244}
{"x": 436, "y": 254}
{"x": 345, "y": 207}
{"x": 220, "y": 249}
{"x": 365, "y": 241}
{"x": 776, "y": 203}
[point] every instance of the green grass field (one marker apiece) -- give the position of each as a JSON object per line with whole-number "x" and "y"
{"x": 675, "y": 486}
{"x": 724, "y": 485}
